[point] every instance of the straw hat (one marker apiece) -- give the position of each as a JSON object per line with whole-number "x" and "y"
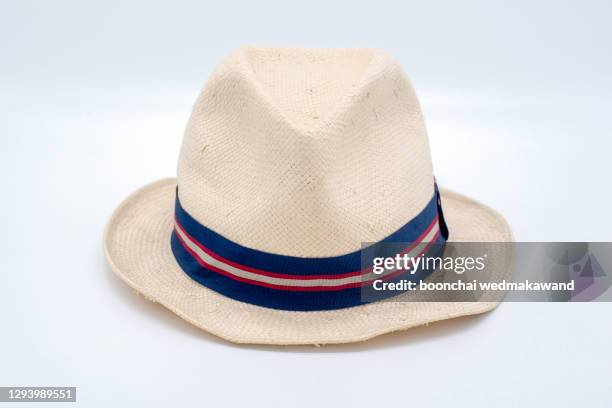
{"x": 293, "y": 158}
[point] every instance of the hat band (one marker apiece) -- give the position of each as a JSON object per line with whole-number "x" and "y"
{"x": 297, "y": 283}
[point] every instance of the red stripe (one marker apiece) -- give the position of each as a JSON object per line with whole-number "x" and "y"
{"x": 294, "y": 288}
{"x": 296, "y": 277}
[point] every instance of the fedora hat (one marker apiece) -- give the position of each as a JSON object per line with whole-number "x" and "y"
{"x": 293, "y": 159}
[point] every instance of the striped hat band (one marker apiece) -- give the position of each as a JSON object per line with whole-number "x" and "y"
{"x": 296, "y": 283}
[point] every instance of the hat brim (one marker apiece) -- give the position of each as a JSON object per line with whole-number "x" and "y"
{"x": 137, "y": 246}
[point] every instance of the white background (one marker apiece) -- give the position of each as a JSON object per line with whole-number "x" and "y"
{"x": 94, "y": 98}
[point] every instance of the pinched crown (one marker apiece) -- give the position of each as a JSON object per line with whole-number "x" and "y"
{"x": 305, "y": 152}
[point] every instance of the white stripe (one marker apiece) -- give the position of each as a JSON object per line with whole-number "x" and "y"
{"x": 327, "y": 282}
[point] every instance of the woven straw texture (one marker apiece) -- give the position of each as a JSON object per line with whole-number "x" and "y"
{"x": 305, "y": 152}
{"x": 137, "y": 244}
{"x": 296, "y": 152}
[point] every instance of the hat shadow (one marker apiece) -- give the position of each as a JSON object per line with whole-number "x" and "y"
{"x": 405, "y": 338}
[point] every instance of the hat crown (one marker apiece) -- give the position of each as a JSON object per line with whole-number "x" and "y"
{"x": 305, "y": 152}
